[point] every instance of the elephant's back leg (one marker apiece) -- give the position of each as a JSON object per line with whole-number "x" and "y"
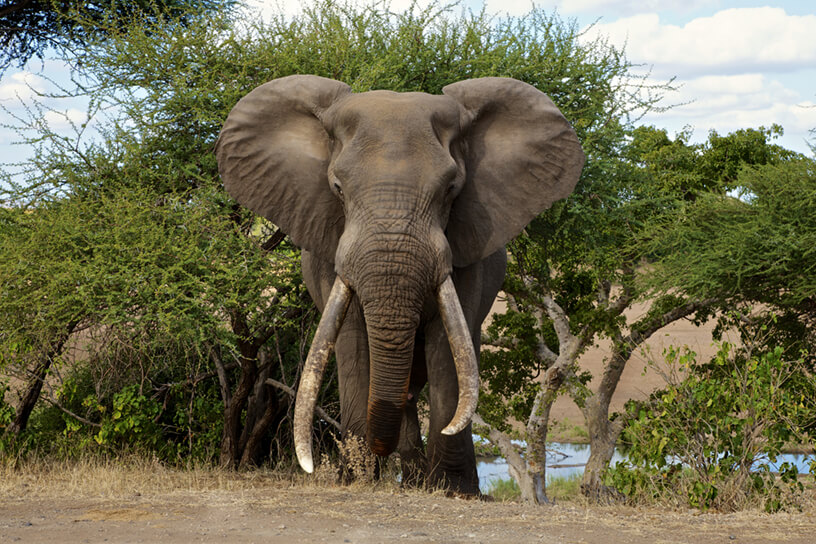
{"x": 411, "y": 449}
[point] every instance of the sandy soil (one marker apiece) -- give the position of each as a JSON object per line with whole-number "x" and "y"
{"x": 156, "y": 505}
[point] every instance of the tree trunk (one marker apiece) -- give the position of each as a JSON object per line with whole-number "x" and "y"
{"x": 263, "y": 409}
{"x": 603, "y": 435}
{"x": 231, "y": 448}
{"x": 35, "y": 383}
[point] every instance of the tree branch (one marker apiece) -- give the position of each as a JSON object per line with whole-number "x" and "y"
{"x": 273, "y": 241}
{"x": 559, "y": 319}
{"x": 292, "y": 393}
{"x": 503, "y": 442}
{"x": 14, "y": 7}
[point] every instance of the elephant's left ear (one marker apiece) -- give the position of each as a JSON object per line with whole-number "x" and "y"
{"x": 521, "y": 155}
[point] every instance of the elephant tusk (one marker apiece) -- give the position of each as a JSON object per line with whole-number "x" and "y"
{"x": 312, "y": 375}
{"x": 464, "y": 356}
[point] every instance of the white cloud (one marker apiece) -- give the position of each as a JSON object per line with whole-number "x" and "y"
{"x": 730, "y": 41}
{"x": 22, "y": 86}
{"x": 60, "y": 120}
{"x": 628, "y": 7}
{"x": 729, "y": 103}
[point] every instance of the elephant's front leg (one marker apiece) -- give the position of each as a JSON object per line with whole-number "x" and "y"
{"x": 351, "y": 351}
{"x": 352, "y": 355}
{"x": 451, "y": 459}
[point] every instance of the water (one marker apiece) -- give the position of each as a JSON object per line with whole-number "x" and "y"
{"x": 565, "y": 460}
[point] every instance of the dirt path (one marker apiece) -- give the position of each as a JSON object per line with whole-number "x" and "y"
{"x": 158, "y": 505}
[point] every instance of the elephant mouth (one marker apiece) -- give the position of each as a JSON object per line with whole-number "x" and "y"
{"x": 461, "y": 344}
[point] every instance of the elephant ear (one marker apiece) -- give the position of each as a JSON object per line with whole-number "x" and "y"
{"x": 521, "y": 155}
{"x": 273, "y": 156}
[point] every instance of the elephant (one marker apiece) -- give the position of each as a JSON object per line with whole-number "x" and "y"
{"x": 402, "y": 204}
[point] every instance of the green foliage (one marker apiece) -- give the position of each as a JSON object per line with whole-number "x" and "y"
{"x": 710, "y": 438}
{"x": 504, "y": 490}
{"x": 744, "y": 237}
{"x": 30, "y": 28}
{"x": 131, "y": 419}
{"x": 756, "y": 247}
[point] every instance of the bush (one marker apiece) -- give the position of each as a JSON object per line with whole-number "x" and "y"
{"x": 711, "y": 438}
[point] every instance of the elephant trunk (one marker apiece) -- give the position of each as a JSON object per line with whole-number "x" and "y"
{"x": 392, "y": 301}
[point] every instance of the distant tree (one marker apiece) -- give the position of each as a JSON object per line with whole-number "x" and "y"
{"x": 750, "y": 245}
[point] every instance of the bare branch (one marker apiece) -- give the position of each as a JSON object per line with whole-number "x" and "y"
{"x": 559, "y": 319}
{"x": 79, "y": 418}
{"x": 273, "y": 241}
{"x": 223, "y": 379}
{"x": 503, "y": 442}
{"x": 291, "y": 392}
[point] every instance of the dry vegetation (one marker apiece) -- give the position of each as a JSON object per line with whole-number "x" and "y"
{"x": 142, "y": 500}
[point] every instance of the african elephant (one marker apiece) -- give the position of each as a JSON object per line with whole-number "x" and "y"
{"x": 401, "y": 202}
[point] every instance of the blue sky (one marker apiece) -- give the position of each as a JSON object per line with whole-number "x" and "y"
{"x": 739, "y": 64}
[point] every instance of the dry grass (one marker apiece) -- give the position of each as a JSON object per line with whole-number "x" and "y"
{"x": 143, "y": 494}
{"x": 125, "y": 477}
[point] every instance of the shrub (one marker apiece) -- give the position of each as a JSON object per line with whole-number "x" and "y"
{"x": 711, "y": 439}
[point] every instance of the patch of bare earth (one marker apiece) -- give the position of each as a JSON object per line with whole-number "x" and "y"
{"x": 146, "y": 502}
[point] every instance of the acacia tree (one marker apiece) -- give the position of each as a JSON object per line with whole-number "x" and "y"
{"x": 131, "y": 242}
{"x": 749, "y": 246}
{"x": 28, "y": 28}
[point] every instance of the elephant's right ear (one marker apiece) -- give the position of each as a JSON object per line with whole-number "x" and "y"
{"x": 273, "y": 156}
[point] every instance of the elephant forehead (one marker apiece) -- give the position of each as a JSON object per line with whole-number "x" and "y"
{"x": 391, "y": 112}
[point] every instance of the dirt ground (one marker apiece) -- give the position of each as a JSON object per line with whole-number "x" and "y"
{"x": 154, "y": 504}
{"x": 124, "y": 502}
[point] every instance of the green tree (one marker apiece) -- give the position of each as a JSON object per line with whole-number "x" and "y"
{"x": 129, "y": 245}
{"x": 747, "y": 243}
{"x": 575, "y": 272}
{"x": 28, "y": 28}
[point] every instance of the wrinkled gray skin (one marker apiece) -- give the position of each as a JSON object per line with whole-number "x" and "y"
{"x": 392, "y": 193}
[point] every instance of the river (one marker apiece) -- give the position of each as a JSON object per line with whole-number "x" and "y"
{"x": 565, "y": 460}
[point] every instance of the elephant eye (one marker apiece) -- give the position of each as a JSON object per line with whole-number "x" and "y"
{"x": 338, "y": 188}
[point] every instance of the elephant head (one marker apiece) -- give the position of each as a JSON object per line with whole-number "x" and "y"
{"x": 396, "y": 189}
